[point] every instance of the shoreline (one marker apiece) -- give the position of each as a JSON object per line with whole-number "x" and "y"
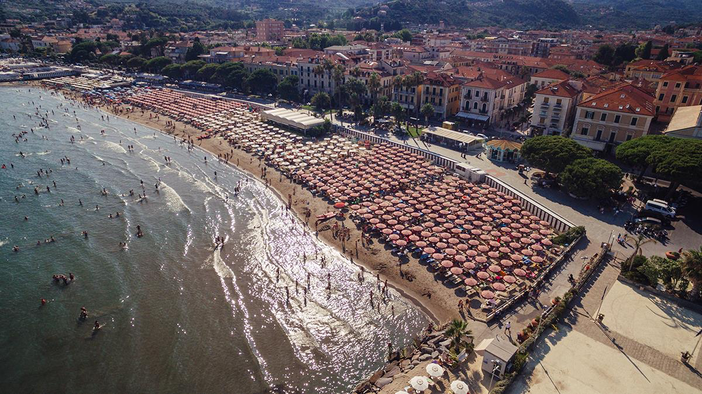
{"x": 374, "y": 260}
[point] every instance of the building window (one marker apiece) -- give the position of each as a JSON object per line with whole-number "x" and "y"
{"x": 475, "y": 105}
{"x": 628, "y": 137}
{"x": 603, "y": 117}
{"x": 545, "y": 100}
{"x": 589, "y": 115}
{"x": 660, "y": 97}
{"x": 584, "y": 131}
{"x": 684, "y": 99}
{"x": 558, "y": 101}
{"x": 677, "y": 85}
{"x": 634, "y": 121}
{"x": 673, "y": 97}
{"x": 617, "y": 118}
{"x": 665, "y": 84}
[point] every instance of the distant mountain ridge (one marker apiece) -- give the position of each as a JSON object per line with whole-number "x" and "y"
{"x": 537, "y": 13}
{"x": 473, "y": 13}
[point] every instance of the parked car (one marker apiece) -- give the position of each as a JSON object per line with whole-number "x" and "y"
{"x": 660, "y": 208}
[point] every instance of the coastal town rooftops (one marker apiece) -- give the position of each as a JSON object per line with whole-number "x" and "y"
{"x": 686, "y": 74}
{"x": 560, "y": 89}
{"x": 552, "y": 73}
{"x": 625, "y": 98}
{"x": 490, "y": 83}
{"x": 653, "y": 65}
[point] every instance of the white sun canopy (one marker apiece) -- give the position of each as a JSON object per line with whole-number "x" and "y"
{"x": 296, "y": 119}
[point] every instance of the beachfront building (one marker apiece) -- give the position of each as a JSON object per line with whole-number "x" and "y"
{"x": 545, "y": 78}
{"x": 280, "y": 66}
{"x": 443, "y": 92}
{"x": 554, "y": 108}
{"x": 363, "y": 72}
{"x": 407, "y": 96}
{"x": 612, "y": 117}
{"x": 314, "y": 79}
{"x": 678, "y": 88}
{"x": 484, "y": 100}
{"x": 503, "y": 150}
{"x": 686, "y": 123}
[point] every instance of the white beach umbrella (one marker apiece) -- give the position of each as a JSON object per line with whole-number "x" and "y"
{"x": 459, "y": 387}
{"x": 419, "y": 383}
{"x": 435, "y": 370}
{"x": 401, "y": 392}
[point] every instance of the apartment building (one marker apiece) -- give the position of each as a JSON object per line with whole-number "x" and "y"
{"x": 409, "y": 97}
{"x": 554, "y": 108}
{"x": 269, "y": 30}
{"x": 232, "y": 54}
{"x": 385, "y": 77}
{"x": 443, "y": 92}
{"x": 650, "y": 70}
{"x": 312, "y": 82}
{"x": 485, "y": 99}
{"x": 678, "y": 88}
{"x": 612, "y": 117}
{"x": 280, "y": 66}
{"x": 548, "y": 77}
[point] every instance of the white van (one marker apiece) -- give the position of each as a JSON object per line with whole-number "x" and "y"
{"x": 660, "y": 207}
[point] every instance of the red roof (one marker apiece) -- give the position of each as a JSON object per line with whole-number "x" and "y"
{"x": 625, "y": 98}
{"x": 560, "y": 89}
{"x": 552, "y": 73}
{"x": 686, "y": 74}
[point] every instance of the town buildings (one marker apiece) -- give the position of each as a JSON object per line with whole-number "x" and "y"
{"x": 612, "y": 117}
{"x": 443, "y": 92}
{"x": 554, "y": 107}
{"x": 678, "y": 88}
{"x": 269, "y": 30}
{"x": 484, "y": 99}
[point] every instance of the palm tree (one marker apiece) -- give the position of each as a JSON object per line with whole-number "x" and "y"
{"x": 338, "y": 77}
{"x": 355, "y": 72}
{"x": 427, "y": 111}
{"x": 456, "y": 331}
{"x": 691, "y": 265}
{"x": 374, "y": 85}
{"x": 638, "y": 243}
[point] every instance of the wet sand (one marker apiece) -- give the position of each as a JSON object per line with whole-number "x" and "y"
{"x": 433, "y": 297}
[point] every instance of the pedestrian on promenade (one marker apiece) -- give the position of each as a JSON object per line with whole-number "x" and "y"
{"x": 508, "y": 328}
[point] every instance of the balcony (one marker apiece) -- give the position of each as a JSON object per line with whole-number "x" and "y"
{"x": 557, "y": 106}
{"x": 544, "y": 105}
{"x": 484, "y": 99}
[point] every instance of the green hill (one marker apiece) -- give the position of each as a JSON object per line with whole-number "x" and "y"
{"x": 471, "y": 13}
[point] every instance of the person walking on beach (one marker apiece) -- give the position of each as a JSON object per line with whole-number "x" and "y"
{"x": 508, "y": 328}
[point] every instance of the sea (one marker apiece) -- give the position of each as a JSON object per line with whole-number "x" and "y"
{"x": 177, "y": 314}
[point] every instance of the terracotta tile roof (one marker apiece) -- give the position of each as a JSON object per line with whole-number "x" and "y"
{"x": 625, "y": 98}
{"x": 685, "y": 74}
{"x": 552, "y": 73}
{"x": 653, "y": 65}
{"x": 436, "y": 79}
{"x": 560, "y": 89}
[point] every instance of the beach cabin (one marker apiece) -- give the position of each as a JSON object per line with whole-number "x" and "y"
{"x": 503, "y": 150}
{"x": 497, "y": 355}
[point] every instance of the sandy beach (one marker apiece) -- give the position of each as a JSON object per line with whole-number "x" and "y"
{"x": 436, "y": 300}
